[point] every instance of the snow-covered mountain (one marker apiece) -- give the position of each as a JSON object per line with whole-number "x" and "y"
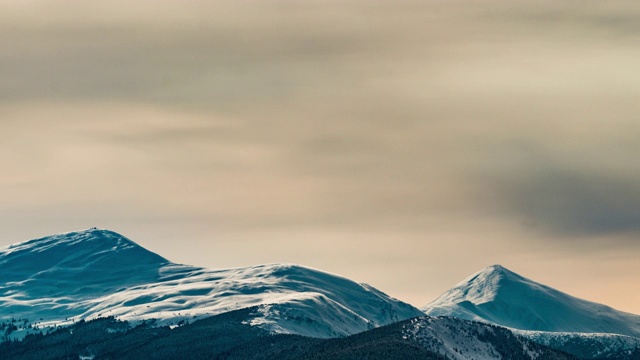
{"x": 540, "y": 313}
{"x": 87, "y": 274}
{"x": 500, "y": 296}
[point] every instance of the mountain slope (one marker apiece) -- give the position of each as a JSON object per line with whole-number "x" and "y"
{"x": 94, "y": 273}
{"x": 468, "y": 340}
{"x": 499, "y": 296}
{"x": 588, "y": 345}
{"x": 83, "y": 264}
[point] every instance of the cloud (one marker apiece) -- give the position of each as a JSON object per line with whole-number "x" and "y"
{"x": 353, "y": 114}
{"x": 450, "y": 130}
{"x": 568, "y": 202}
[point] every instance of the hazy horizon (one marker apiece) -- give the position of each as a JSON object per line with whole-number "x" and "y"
{"x": 404, "y": 144}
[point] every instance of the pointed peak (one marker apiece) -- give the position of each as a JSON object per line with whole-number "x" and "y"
{"x": 495, "y": 267}
{"x": 487, "y": 282}
{"x": 496, "y": 270}
{"x": 494, "y": 276}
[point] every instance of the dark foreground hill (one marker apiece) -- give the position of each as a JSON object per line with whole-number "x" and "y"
{"x": 229, "y": 336}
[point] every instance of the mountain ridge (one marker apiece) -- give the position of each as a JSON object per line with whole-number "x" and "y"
{"x": 95, "y": 272}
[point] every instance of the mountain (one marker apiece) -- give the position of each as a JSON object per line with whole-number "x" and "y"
{"x": 59, "y": 279}
{"x": 229, "y": 336}
{"x": 540, "y": 313}
{"x": 500, "y": 296}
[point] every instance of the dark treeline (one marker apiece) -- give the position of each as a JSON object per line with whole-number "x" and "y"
{"x": 228, "y": 336}
{"x": 220, "y": 337}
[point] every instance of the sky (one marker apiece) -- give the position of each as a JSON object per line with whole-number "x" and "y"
{"x": 406, "y": 144}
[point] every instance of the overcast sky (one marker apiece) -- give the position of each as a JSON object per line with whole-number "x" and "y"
{"x": 406, "y": 144}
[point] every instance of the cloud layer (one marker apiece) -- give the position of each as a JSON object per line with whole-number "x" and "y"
{"x": 422, "y": 134}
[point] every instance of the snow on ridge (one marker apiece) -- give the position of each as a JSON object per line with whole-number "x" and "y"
{"x": 89, "y": 242}
{"x": 96, "y": 273}
{"x": 69, "y": 236}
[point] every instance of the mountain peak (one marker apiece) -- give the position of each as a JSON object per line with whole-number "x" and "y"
{"x": 94, "y": 255}
{"x": 485, "y": 284}
{"x": 491, "y": 271}
{"x": 107, "y": 237}
{"x": 496, "y": 268}
{"x": 76, "y": 248}
{"x": 500, "y": 296}
{"x": 491, "y": 285}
